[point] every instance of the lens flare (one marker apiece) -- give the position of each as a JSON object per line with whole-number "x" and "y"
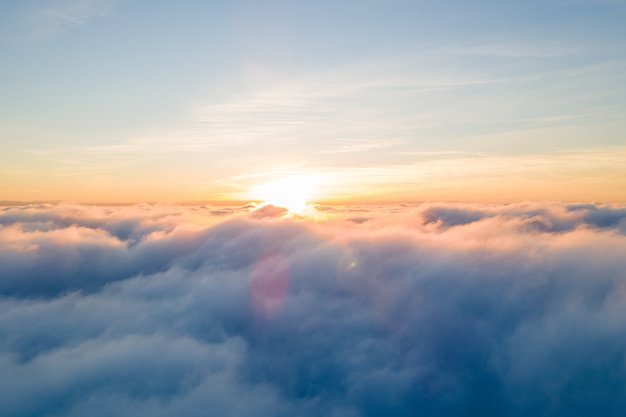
{"x": 269, "y": 284}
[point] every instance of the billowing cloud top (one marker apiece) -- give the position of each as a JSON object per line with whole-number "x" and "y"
{"x": 431, "y": 310}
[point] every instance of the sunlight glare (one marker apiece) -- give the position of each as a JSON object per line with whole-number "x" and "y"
{"x": 291, "y": 193}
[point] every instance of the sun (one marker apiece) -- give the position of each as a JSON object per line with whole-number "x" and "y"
{"x": 292, "y": 193}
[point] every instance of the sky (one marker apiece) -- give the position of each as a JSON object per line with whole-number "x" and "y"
{"x": 312, "y": 208}
{"x": 485, "y": 101}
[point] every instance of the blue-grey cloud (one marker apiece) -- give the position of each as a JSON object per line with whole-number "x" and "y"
{"x": 456, "y": 310}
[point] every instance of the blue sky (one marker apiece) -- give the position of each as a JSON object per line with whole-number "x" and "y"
{"x": 120, "y": 100}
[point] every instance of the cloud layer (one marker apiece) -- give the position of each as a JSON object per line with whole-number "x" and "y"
{"x": 460, "y": 310}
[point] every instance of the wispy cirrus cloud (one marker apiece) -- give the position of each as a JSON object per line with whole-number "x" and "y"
{"x": 55, "y": 16}
{"x": 462, "y": 175}
{"x": 370, "y": 120}
{"x": 37, "y": 20}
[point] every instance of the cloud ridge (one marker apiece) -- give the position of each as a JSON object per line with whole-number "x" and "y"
{"x": 432, "y": 309}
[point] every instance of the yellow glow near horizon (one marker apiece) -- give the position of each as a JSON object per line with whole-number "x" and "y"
{"x": 291, "y": 193}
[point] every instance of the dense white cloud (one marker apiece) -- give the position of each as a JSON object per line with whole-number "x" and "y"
{"x": 361, "y": 311}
